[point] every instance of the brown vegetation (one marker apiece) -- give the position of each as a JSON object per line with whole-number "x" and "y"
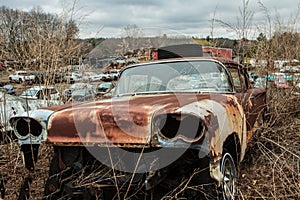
{"x": 270, "y": 169}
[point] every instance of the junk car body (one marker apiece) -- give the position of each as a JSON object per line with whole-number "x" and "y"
{"x": 41, "y": 92}
{"x": 9, "y": 89}
{"x": 169, "y": 123}
{"x": 11, "y": 105}
{"x": 105, "y": 87}
{"x": 68, "y": 93}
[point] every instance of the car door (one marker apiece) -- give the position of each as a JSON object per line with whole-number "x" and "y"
{"x": 251, "y": 99}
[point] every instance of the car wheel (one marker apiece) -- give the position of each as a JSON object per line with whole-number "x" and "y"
{"x": 229, "y": 171}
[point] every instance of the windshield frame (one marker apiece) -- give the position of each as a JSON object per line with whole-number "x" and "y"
{"x": 217, "y": 63}
{"x": 31, "y": 92}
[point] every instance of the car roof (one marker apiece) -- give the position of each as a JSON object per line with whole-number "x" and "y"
{"x": 40, "y": 87}
{"x": 224, "y": 61}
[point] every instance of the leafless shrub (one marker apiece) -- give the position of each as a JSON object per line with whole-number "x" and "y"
{"x": 271, "y": 167}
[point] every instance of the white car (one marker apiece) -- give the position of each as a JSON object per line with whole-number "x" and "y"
{"x": 41, "y": 92}
{"x": 21, "y": 76}
{"x": 12, "y": 105}
{"x": 114, "y": 73}
{"x": 9, "y": 107}
{"x": 91, "y": 77}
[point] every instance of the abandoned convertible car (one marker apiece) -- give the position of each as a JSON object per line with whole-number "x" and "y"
{"x": 173, "y": 128}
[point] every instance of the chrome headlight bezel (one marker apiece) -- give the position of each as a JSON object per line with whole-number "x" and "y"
{"x": 39, "y": 120}
{"x": 33, "y": 127}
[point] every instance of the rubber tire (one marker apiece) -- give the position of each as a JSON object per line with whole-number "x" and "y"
{"x": 229, "y": 171}
{"x": 211, "y": 191}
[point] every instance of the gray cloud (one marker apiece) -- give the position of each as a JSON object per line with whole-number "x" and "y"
{"x": 107, "y": 18}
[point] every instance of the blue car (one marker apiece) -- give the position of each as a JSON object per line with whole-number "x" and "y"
{"x": 9, "y": 89}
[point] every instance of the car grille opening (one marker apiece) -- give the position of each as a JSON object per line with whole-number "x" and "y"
{"x": 185, "y": 126}
{"x": 25, "y": 126}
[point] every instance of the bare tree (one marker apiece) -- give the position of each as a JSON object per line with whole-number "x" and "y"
{"x": 242, "y": 28}
{"x": 132, "y": 39}
{"x": 37, "y": 39}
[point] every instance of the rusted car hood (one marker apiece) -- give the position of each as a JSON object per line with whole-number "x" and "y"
{"x": 122, "y": 120}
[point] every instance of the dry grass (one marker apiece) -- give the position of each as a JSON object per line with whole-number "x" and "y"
{"x": 13, "y": 171}
{"x": 271, "y": 168}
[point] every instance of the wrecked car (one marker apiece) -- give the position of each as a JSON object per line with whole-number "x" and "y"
{"x": 10, "y": 106}
{"x": 173, "y": 128}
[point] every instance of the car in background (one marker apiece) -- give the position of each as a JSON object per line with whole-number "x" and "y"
{"x": 296, "y": 89}
{"x": 111, "y": 75}
{"x": 252, "y": 77}
{"x": 106, "y": 77}
{"x": 47, "y": 77}
{"x": 109, "y": 94}
{"x": 72, "y": 77}
{"x": 41, "y": 92}
{"x": 21, "y": 76}
{"x": 10, "y": 106}
{"x": 114, "y": 74}
{"x": 9, "y": 89}
{"x": 83, "y": 94}
{"x": 105, "y": 87}
{"x": 260, "y": 83}
{"x": 276, "y": 75}
{"x": 55, "y": 77}
{"x": 151, "y": 135}
{"x": 75, "y": 86}
{"x": 280, "y": 82}
{"x": 39, "y": 77}
{"x": 91, "y": 77}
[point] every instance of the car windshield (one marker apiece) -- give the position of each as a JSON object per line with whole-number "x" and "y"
{"x": 104, "y": 85}
{"x": 29, "y": 92}
{"x": 176, "y": 76}
{"x": 23, "y": 74}
{"x": 8, "y": 87}
{"x": 78, "y": 86}
{"x": 81, "y": 92}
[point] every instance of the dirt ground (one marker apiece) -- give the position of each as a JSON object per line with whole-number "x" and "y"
{"x": 270, "y": 169}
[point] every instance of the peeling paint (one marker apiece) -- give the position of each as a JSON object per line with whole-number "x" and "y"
{"x": 183, "y": 120}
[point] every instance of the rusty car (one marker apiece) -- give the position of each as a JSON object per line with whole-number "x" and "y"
{"x": 175, "y": 128}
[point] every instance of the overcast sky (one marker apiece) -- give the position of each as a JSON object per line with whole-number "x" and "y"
{"x": 107, "y": 18}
